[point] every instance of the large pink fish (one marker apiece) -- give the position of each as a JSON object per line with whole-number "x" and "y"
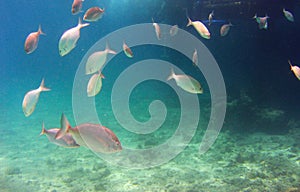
{"x": 66, "y": 141}
{"x": 98, "y": 138}
{"x": 76, "y": 6}
{"x": 32, "y": 40}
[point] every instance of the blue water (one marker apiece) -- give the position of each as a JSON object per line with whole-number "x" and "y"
{"x": 257, "y": 149}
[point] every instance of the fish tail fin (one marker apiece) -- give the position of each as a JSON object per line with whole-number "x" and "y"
{"x": 42, "y": 86}
{"x": 171, "y": 76}
{"x": 81, "y": 25}
{"x": 108, "y": 50}
{"x": 40, "y": 30}
{"x": 290, "y": 64}
{"x": 189, "y": 22}
{"x": 43, "y": 130}
{"x": 65, "y": 126}
{"x": 101, "y": 75}
{"x": 255, "y": 16}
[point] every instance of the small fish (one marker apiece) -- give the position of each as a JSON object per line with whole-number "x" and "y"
{"x": 195, "y": 58}
{"x": 66, "y": 141}
{"x": 96, "y": 137}
{"x": 186, "y": 82}
{"x": 288, "y": 15}
{"x": 174, "y": 30}
{"x": 200, "y": 28}
{"x": 31, "y": 98}
{"x": 157, "y": 30}
{"x": 69, "y": 39}
{"x": 32, "y": 40}
{"x": 225, "y": 29}
{"x": 295, "y": 69}
{"x": 76, "y": 6}
{"x": 93, "y": 14}
{"x": 95, "y": 84}
{"x": 262, "y": 21}
{"x": 210, "y": 18}
{"x": 96, "y": 60}
{"x": 127, "y": 50}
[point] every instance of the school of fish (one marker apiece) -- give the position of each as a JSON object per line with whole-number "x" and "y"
{"x": 98, "y": 138}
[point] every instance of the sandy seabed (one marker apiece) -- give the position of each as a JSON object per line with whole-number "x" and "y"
{"x": 236, "y": 162}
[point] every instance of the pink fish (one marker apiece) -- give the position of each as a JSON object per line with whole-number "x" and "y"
{"x": 76, "y": 6}
{"x": 174, "y": 30}
{"x": 66, "y": 141}
{"x": 127, "y": 50}
{"x": 195, "y": 58}
{"x": 32, "y": 40}
{"x": 93, "y": 14}
{"x": 93, "y": 136}
{"x": 225, "y": 29}
{"x": 262, "y": 21}
{"x": 295, "y": 69}
{"x": 157, "y": 30}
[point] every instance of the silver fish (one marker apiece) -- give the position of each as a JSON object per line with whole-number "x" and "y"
{"x": 210, "y": 18}
{"x": 288, "y": 15}
{"x": 200, "y": 28}
{"x": 98, "y": 138}
{"x": 31, "y": 98}
{"x": 97, "y": 60}
{"x": 66, "y": 141}
{"x": 186, "y": 82}
{"x": 94, "y": 84}
{"x": 69, "y": 39}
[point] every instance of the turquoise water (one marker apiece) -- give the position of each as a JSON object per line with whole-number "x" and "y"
{"x": 256, "y": 150}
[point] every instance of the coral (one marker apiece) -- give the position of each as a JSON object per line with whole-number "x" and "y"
{"x": 270, "y": 114}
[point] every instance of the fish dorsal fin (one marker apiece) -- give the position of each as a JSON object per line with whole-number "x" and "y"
{"x": 65, "y": 126}
{"x": 290, "y": 64}
{"x": 43, "y": 130}
{"x": 101, "y": 74}
{"x": 152, "y": 20}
